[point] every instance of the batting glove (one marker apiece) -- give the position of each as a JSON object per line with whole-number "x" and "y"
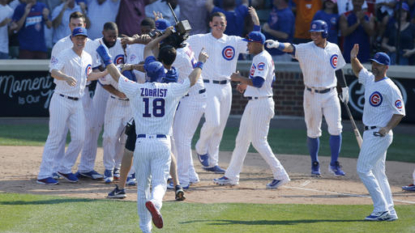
{"x": 272, "y": 44}
{"x": 344, "y": 97}
{"x": 103, "y": 52}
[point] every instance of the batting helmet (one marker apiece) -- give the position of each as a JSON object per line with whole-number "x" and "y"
{"x": 155, "y": 71}
{"x": 319, "y": 26}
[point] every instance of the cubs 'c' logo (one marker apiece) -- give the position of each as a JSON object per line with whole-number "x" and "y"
{"x": 398, "y": 104}
{"x": 375, "y": 99}
{"x": 132, "y": 57}
{"x": 228, "y": 53}
{"x": 261, "y": 66}
{"x": 333, "y": 60}
{"x": 119, "y": 59}
{"x": 88, "y": 69}
{"x": 253, "y": 68}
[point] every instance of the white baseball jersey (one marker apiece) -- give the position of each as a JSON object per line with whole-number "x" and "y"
{"x": 383, "y": 100}
{"x": 262, "y": 66}
{"x": 224, "y": 53}
{"x": 73, "y": 65}
{"x": 319, "y": 65}
{"x": 134, "y": 53}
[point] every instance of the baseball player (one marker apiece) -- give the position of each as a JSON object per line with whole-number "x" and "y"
{"x": 217, "y": 82}
{"x": 410, "y": 187}
{"x": 77, "y": 19}
{"x": 383, "y": 110}
{"x": 321, "y": 63}
{"x": 70, "y": 69}
{"x": 257, "y": 115}
{"x": 154, "y": 105}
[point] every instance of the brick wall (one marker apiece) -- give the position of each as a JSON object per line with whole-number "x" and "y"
{"x": 288, "y": 95}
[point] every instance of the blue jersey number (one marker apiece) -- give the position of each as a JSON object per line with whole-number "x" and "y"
{"x": 158, "y": 107}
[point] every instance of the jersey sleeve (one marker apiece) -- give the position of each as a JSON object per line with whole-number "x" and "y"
{"x": 300, "y": 51}
{"x": 262, "y": 67}
{"x": 58, "y": 62}
{"x": 364, "y": 75}
{"x": 340, "y": 60}
{"x": 396, "y": 101}
{"x": 241, "y": 45}
{"x": 104, "y": 80}
{"x": 128, "y": 87}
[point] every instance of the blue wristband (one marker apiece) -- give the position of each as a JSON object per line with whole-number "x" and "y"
{"x": 199, "y": 64}
{"x": 281, "y": 46}
{"x": 257, "y": 28}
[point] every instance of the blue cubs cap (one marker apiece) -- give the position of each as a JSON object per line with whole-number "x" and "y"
{"x": 256, "y": 36}
{"x": 79, "y": 31}
{"x": 381, "y": 58}
{"x": 162, "y": 24}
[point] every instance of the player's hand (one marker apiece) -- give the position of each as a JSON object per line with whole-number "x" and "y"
{"x": 354, "y": 51}
{"x": 235, "y": 76}
{"x": 71, "y": 81}
{"x": 254, "y": 15}
{"x": 45, "y": 13}
{"x": 157, "y": 15}
{"x": 203, "y": 56}
{"x": 127, "y": 40}
{"x": 383, "y": 131}
{"x": 169, "y": 31}
{"x": 344, "y": 96}
{"x": 241, "y": 87}
{"x": 122, "y": 95}
{"x": 272, "y": 44}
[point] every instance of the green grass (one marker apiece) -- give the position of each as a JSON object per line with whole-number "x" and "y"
{"x": 36, "y": 213}
{"x": 282, "y": 141}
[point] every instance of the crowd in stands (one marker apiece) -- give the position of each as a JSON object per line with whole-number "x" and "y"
{"x": 29, "y": 28}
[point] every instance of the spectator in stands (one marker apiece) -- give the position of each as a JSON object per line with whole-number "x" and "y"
{"x": 305, "y": 11}
{"x": 235, "y": 15}
{"x": 28, "y": 21}
{"x": 329, "y": 14}
{"x": 130, "y": 15}
{"x": 162, "y": 7}
{"x": 346, "y": 5}
{"x": 100, "y": 12}
{"x": 6, "y": 13}
{"x": 357, "y": 27}
{"x": 411, "y": 4}
{"x": 406, "y": 42}
{"x": 195, "y": 12}
{"x": 280, "y": 26}
{"x": 60, "y": 18}
{"x": 384, "y": 11}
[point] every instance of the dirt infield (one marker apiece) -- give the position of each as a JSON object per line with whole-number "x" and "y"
{"x": 19, "y": 167}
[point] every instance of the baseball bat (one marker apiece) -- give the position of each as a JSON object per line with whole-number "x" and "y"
{"x": 355, "y": 129}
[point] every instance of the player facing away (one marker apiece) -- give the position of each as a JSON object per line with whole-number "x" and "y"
{"x": 70, "y": 69}
{"x": 321, "y": 63}
{"x": 383, "y": 110}
{"x": 224, "y": 50}
{"x": 257, "y": 115}
{"x": 154, "y": 105}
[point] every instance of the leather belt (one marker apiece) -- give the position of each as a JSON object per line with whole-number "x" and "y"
{"x": 201, "y": 91}
{"x": 119, "y": 98}
{"x": 260, "y": 97}
{"x": 319, "y": 91}
{"x": 370, "y": 127}
{"x": 70, "y": 97}
{"x": 215, "y": 81}
{"x": 151, "y": 136}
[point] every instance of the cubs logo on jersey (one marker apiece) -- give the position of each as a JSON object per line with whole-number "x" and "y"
{"x": 119, "y": 59}
{"x": 88, "y": 69}
{"x": 261, "y": 66}
{"x": 252, "y": 72}
{"x": 132, "y": 57}
{"x": 228, "y": 53}
{"x": 333, "y": 60}
{"x": 398, "y": 104}
{"x": 375, "y": 99}
{"x": 54, "y": 60}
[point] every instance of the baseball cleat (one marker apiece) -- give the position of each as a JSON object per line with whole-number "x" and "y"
{"x": 117, "y": 193}
{"x": 91, "y": 174}
{"x": 336, "y": 169}
{"x": 48, "y": 180}
{"x": 203, "y": 159}
{"x": 180, "y": 194}
{"x": 274, "y": 184}
{"x": 224, "y": 181}
{"x": 216, "y": 169}
{"x": 379, "y": 216}
{"x": 171, "y": 186}
{"x": 410, "y": 187}
{"x": 69, "y": 177}
{"x": 131, "y": 180}
{"x": 155, "y": 214}
{"x": 393, "y": 215}
{"x": 108, "y": 178}
{"x": 116, "y": 173}
{"x": 56, "y": 176}
{"x": 315, "y": 169}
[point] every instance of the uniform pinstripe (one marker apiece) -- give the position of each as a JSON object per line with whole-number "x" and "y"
{"x": 134, "y": 53}
{"x": 90, "y": 48}
{"x": 224, "y": 54}
{"x": 187, "y": 117}
{"x": 65, "y": 112}
{"x": 383, "y": 100}
{"x": 319, "y": 66}
{"x": 255, "y": 121}
{"x": 153, "y": 106}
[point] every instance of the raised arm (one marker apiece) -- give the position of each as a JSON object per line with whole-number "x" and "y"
{"x": 285, "y": 47}
{"x": 356, "y": 65}
{"x": 152, "y": 44}
{"x": 197, "y": 71}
